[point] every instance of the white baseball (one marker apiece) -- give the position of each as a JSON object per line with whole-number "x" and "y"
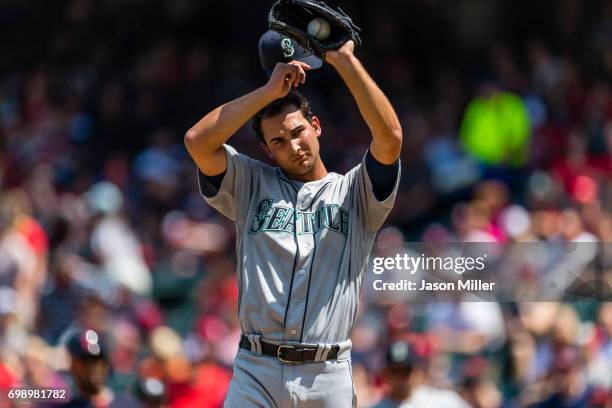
{"x": 319, "y": 28}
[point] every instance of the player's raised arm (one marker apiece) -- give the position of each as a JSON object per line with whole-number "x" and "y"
{"x": 204, "y": 141}
{"x": 373, "y": 104}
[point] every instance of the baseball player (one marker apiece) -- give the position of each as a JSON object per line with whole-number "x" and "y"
{"x": 303, "y": 233}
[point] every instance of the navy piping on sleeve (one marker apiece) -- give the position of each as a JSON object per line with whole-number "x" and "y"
{"x": 383, "y": 176}
{"x": 210, "y": 184}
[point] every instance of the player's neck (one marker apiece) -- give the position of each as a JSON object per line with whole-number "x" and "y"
{"x": 317, "y": 172}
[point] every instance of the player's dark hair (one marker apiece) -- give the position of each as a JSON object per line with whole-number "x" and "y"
{"x": 274, "y": 108}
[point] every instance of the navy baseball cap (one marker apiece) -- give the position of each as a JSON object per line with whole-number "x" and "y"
{"x": 401, "y": 354}
{"x": 86, "y": 344}
{"x": 274, "y": 47}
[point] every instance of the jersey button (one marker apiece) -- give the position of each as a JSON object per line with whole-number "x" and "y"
{"x": 293, "y": 331}
{"x": 302, "y": 272}
{"x": 298, "y": 300}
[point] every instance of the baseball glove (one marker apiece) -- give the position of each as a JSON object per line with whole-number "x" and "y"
{"x": 291, "y": 18}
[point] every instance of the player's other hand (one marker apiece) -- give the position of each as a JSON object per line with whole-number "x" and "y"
{"x": 286, "y": 76}
{"x": 342, "y": 54}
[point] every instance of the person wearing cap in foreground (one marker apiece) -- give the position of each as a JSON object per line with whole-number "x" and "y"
{"x": 89, "y": 367}
{"x": 404, "y": 375}
{"x": 303, "y": 233}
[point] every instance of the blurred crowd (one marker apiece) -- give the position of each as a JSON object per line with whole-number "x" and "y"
{"x": 507, "y": 116}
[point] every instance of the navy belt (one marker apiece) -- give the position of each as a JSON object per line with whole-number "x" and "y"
{"x": 290, "y": 353}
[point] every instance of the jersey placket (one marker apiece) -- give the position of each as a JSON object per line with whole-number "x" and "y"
{"x": 298, "y": 298}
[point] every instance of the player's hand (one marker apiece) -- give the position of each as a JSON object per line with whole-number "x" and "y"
{"x": 342, "y": 54}
{"x": 286, "y": 76}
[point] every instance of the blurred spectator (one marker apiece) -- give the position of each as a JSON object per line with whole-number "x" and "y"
{"x": 89, "y": 367}
{"x": 495, "y": 129}
{"x": 151, "y": 393}
{"x": 405, "y": 375}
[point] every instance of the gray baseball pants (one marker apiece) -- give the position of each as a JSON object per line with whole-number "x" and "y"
{"x": 263, "y": 381}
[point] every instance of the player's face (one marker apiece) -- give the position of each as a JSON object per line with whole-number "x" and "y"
{"x": 292, "y": 140}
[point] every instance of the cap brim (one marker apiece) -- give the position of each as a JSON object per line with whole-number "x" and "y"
{"x": 311, "y": 60}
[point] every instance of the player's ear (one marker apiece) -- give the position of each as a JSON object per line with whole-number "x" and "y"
{"x": 314, "y": 121}
{"x": 266, "y": 149}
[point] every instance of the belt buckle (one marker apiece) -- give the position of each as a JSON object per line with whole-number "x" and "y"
{"x": 278, "y": 353}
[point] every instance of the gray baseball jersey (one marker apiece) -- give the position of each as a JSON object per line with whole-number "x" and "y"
{"x": 302, "y": 249}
